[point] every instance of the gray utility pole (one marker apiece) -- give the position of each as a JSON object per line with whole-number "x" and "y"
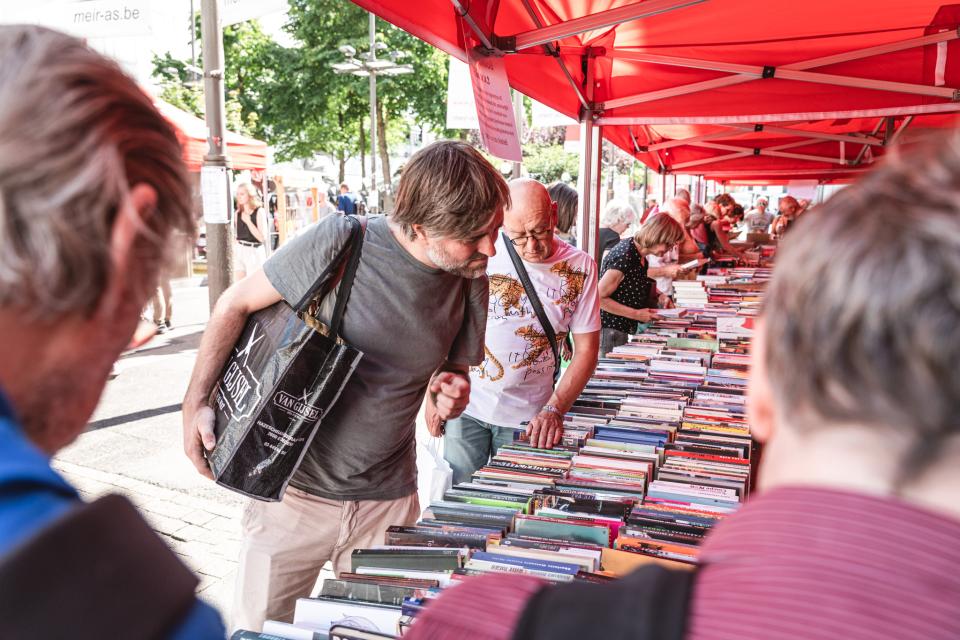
{"x": 220, "y": 233}
{"x": 373, "y": 109}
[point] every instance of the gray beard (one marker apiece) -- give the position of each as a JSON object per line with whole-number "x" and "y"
{"x": 462, "y": 269}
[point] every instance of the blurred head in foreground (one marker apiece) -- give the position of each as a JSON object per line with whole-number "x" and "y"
{"x": 92, "y": 188}
{"x": 855, "y": 367}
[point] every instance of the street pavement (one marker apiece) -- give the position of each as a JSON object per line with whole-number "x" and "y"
{"x": 133, "y": 446}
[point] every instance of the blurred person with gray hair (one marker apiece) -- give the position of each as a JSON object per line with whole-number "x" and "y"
{"x": 852, "y": 529}
{"x": 92, "y": 191}
{"x": 617, "y": 218}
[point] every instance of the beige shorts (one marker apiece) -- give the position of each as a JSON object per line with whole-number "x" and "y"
{"x": 285, "y": 545}
{"x": 247, "y": 259}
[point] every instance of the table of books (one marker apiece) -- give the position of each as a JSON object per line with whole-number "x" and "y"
{"x": 655, "y": 451}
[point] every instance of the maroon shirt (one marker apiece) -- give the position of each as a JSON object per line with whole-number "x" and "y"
{"x": 794, "y": 563}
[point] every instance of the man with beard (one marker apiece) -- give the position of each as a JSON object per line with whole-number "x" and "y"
{"x": 92, "y": 190}
{"x": 417, "y": 311}
{"x": 515, "y": 383}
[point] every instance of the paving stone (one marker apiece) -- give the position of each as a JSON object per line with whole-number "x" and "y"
{"x": 216, "y": 567}
{"x": 94, "y": 487}
{"x": 194, "y": 533}
{"x": 232, "y": 511}
{"x": 206, "y": 582}
{"x": 163, "y": 524}
{"x": 167, "y": 508}
{"x": 199, "y": 550}
{"x": 226, "y": 525}
{"x": 199, "y": 517}
{"x": 229, "y": 550}
{"x": 219, "y": 537}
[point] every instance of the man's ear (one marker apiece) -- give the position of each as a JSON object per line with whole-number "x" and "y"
{"x": 418, "y": 231}
{"x": 760, "y": 403}
{"x": 129, "y": 225}
{"x": 554, "y": 215}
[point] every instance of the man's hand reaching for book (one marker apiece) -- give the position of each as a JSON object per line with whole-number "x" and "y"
{"x": 545, "y": 430}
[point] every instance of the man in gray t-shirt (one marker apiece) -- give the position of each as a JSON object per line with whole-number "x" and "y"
{"x": 417, "y": 311}
{"x": 406, "y": 318}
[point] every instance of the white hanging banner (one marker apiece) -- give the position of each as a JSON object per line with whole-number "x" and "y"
{"x": 491, "y": 91}
{"x": 802, "y": 189}
{"x": 461, "y": 107}
{"x": 544, "y": 116}
{"x": 215, "y": 190}
{"x": 235, "y": 11}
{"x": 95, "y": 19}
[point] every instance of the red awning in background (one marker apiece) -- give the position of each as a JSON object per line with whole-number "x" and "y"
{"x": 244, "y": 152}
{"x": 856, "y": 70}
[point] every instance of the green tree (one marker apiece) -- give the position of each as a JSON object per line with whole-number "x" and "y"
{"x": 248, "y": 53}
{"x": 325, "y": 25}
{"x": 550, "y": 163}
{"x": 291, "y": 97}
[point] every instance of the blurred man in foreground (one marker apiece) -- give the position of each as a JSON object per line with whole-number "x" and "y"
{"x": 92, "y": 187}
{"x": 854, "y": 389}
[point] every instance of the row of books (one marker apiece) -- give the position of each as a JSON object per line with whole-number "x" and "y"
{"x": 654, "y": 453}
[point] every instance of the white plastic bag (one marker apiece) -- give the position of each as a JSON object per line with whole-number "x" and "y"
{"x": 436, "y": 476}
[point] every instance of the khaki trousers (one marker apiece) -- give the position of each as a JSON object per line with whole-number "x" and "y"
{"x": 285, "y": 545}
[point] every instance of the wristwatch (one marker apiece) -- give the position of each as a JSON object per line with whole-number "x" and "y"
{"x": 552, "y": 409}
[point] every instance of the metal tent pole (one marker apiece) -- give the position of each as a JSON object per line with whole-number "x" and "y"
{"x": 587, "y": 223}
{"x": 597, "y": 159}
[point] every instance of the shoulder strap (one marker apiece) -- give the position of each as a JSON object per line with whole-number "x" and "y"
{"x": 350, "y": 270}
{"x": 332, "y": 273}
{"x": 649, "y": 604}
{"x": 98, "y": 571}
{"x": 534, "y": 300}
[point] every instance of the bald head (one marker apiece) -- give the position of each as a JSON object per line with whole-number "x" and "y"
{"x": 528, "y": 198}
{"x": 531, "y": 219}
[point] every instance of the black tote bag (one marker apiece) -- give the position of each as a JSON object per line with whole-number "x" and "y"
{"x": 284, "y": 374}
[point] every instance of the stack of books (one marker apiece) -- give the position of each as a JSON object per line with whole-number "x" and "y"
{"x": 689, "y": 293}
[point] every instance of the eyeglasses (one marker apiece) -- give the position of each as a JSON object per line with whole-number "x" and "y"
{"x": 522, "y": 240}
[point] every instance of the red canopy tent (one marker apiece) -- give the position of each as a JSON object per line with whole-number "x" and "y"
{"x": 244, "y": 152}
{"x": 728, "y": 89}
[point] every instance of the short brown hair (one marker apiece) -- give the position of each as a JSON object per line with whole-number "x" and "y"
{"x": 725, "y": 200}
{"x": 449, "y": 189}
{"x": 660, "y": 229}
{"x": 864, "y": 305}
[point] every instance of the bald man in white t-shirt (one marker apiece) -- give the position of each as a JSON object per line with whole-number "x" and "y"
{"x": 514, "y": 383}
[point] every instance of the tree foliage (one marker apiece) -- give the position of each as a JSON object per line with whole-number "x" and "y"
{"x": 291, "y": 97}
{"x": 548, "y": 163}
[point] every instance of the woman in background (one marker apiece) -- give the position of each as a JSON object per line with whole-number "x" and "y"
{"x": 567, "y": 199}
{"x": 625, "y": 289}
{"x": 249, "y": 254}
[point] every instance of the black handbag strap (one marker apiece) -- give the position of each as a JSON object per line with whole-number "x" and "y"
{"x": 534, "y": 300}
{"x": 97, "y": 567}
{"x": 346, "y": 281}
{"x": 332, "y": 273}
